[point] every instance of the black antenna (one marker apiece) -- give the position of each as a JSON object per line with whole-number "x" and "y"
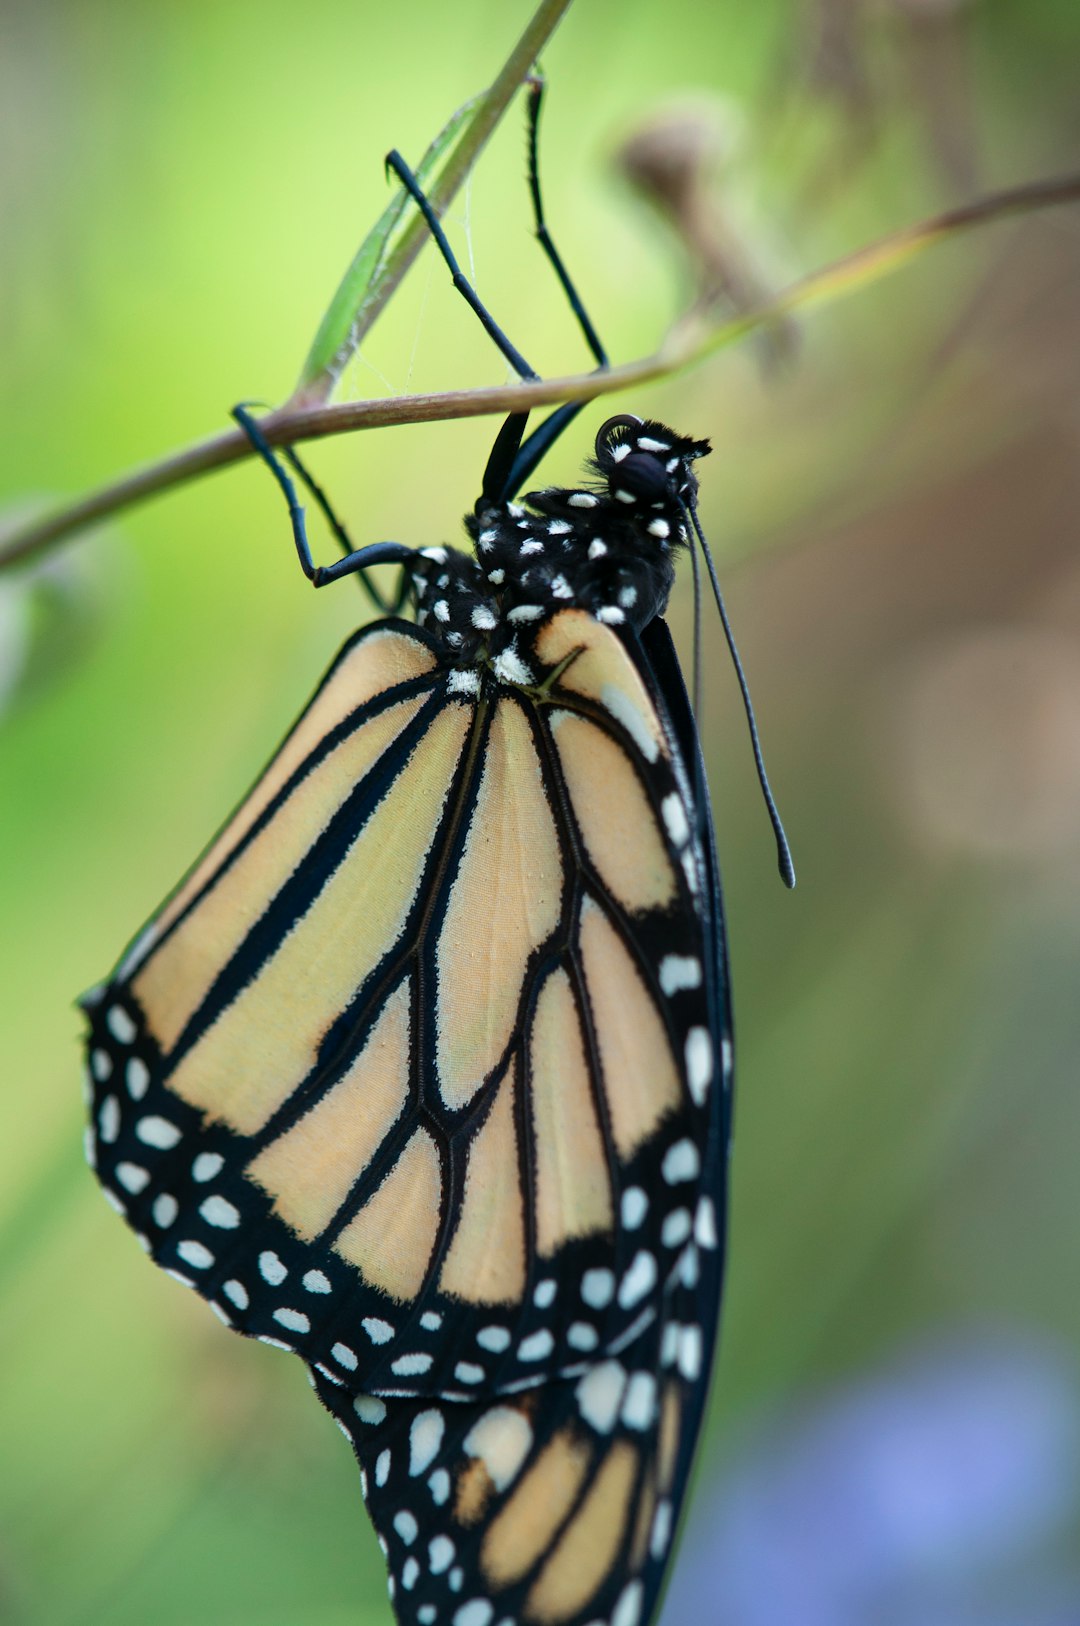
{"x": 783, "y": 851}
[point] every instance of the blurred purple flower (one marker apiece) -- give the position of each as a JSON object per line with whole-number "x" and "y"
{"x": 926, "y": 1496}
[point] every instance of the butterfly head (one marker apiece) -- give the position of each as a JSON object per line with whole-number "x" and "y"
{"x": 647, "y": 465}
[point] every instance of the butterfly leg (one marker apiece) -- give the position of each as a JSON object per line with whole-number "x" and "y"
{"x": 511, "y": 464}
{"x": 356, "y": 560}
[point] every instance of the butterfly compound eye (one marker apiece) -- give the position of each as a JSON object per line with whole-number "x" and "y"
{"x": 640, "y": 473}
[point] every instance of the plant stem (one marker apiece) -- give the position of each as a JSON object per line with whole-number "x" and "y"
{"x": 693, "y": 338}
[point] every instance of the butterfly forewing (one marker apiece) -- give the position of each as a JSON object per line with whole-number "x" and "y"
{"x": 418, "y": 1074}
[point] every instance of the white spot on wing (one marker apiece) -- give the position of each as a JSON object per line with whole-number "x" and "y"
{"x": 679, "y": 971}
{"x": 292, "y": 1320}
{"x": 674, "y": 813}
{"x": 597, "y": 1288}
{"x": 600, "y": 1394}
{"x": 137, "y": 1078}
{"x": 622, "y": 708}
{"x": 271, "y": 1268}
{"x": 379, "y": 1331}
{"x": 133, "y": 1177}
{"x": 109, "y": 1120}
{"x": 425, "y": 1439}
{"x": 120, "y": 1025}
{"x": 440, "y": 1554}
{"x": 157, "y": 1132}
{"x": 639, "y": 1280}
{"x": 699, "y": 1063}
{"x": 676, "y": 1227}
{"x": 502, "y": 1439}
{"x": 639, "y": 1405}
{"x": 406, "y": 1526}
{"x": 220, "y": 1212}
{"x": 681, "y": 1162}
{"x": 536, "y": 1346}
{"x": 634, "y": 1207}
{"x": 194, "y": 1254}
{"x": 410, "y": 1366}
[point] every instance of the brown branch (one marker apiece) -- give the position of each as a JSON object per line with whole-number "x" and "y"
{"x": 689, "y": 341}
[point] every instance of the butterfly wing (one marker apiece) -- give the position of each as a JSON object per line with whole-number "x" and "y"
{"x": 553, "y": 1499}
{"x": 422, "y": 1073}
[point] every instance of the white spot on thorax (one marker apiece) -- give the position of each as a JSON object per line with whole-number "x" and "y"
{"x": 466, "y": 682}
{"x": 510, "y": 668}
{"x": 597, "y": 549}
{"x": 582, "y": 499}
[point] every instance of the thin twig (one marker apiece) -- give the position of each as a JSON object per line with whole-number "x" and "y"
{"x": 482, "y": 123}
{"x": 692, "y": 338}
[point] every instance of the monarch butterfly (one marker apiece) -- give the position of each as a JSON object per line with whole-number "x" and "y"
{"x": 424, "y": 1070}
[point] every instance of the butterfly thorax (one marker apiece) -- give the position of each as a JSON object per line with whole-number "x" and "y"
{"x": 608, "y": 547}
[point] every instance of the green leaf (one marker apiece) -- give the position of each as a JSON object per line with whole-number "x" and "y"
{"x": 335, "y": 343}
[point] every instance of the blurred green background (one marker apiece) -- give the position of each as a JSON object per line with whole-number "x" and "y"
{"x": 894, "y": 502}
